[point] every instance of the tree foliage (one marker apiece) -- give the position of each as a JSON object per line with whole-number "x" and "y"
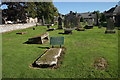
{"x": 22, "y": 10}
{"x": 81, "y": 19}
{"x": 102, "y": 18}
{"x": 15, "y": 11}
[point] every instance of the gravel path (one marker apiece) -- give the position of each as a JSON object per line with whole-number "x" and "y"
{"x": 11, "y": 27}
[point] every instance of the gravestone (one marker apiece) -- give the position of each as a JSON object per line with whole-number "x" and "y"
{"x": 117, "y": 16}
{"x": 110, "y": 25}
{"x": 79, "y": 27}
{"x": 40, "y": 39}
{"x": 90, "y": 23}
{"x": 60, "y": 23}
{"x": 71, "y": 21}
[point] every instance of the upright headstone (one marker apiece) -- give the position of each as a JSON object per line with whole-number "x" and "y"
{"x": 60, "y": 23}
{"x": 43, "y": 21}
{"x": 110, "y": 25}
{"x": 117, "y": 15}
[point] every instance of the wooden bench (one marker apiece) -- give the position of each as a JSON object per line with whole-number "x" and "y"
{"x": 40, "y": 39}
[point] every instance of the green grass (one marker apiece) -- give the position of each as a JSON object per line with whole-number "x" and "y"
{"x": 82, "y": 48}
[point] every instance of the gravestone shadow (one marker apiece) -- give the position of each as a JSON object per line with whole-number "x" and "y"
{"x": 44, "y": 47}
{"x": 61, "y": 33}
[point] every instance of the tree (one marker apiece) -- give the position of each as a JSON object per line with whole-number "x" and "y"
{"x": 44, "y": 11}
{"x": 15, "y": 11}
{"x": 102, "y": 18}
{"x": 22, "y": 10}
{"x": 81, "y": 19}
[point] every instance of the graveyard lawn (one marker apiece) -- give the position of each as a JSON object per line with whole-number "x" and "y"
{"x": 82, "y": 49}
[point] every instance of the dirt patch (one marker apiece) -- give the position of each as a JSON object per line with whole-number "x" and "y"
{"x": 7, "y": 39}
{"x": 100, "y": 63}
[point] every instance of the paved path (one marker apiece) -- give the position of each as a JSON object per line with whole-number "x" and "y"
{"x": 11, "y": 27}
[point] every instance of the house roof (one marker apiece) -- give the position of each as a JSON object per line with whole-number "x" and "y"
{"x": 110, "y": 10}
{"x": 117, "y": 10}
{"x": 87, "y": 15}
{"x": 113, "y": 11}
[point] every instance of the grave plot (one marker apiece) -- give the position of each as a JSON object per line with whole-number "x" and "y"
{"x": 40, "y": 39}
{"x": 21, "y": 33}
{"x": 50, "y": 59}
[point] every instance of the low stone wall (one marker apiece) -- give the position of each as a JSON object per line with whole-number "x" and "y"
{"x": 11, "y": 27}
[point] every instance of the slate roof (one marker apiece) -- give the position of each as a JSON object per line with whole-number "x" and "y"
{"x": 113, "y": 11}
{"x": 87, "y": 15}
{"x": 117, "y": 10}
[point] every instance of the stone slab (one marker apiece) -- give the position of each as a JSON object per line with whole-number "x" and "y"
{"x": 50, "y": 57}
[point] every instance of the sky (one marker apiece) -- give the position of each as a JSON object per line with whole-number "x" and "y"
{"x": 81, "y": 7}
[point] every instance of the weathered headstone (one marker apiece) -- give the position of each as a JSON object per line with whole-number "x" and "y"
{"x": 40, "y": 39}
{"x": 71, "y": 21}
{"x": 90, "y": 23}
{"x": 116, "y": 14}
{"x": 60, "y": 23}
{"x": 79, "y": 27}
{"x": 110, "y": 25}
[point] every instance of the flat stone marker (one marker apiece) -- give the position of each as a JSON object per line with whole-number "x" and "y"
{"x": 21, "y": 33}
{"x": 49, "y": 58}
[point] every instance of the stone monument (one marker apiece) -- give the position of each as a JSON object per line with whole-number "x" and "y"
{"x": 116, "y": 14}
{"x": 60, "y": 22}
{"x": 110, "y": 25}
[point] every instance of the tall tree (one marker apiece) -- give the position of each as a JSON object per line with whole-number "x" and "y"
{"x": 44, "y": 11}
{"x": 102, "y": 17}
{"x": 15, "y": 11}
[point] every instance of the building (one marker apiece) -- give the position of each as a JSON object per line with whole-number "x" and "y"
{"x": 88, "y": 16}
{"x": 114, "y": 12}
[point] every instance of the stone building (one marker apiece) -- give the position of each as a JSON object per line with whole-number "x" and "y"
{"x": 115, "y": 14}
{"x": 89, "y": 16}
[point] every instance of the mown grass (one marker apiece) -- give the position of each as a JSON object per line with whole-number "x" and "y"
{"x": 82, "y": 48}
